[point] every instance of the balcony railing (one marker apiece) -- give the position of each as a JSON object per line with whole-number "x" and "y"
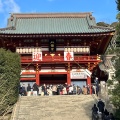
{"x": 61, "y": 59}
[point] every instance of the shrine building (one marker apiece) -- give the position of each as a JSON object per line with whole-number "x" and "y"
{"x": 56, "y": 48}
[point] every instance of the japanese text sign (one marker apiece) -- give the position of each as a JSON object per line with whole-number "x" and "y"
{"x": 68, "y": 56}
{"x": 37, "y": 56}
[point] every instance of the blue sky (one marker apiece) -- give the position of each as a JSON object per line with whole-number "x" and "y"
{"x": 103, "y": 10}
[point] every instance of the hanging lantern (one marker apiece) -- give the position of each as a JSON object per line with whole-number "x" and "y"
{"x": 84, "y": 50}
{"x": 71, "y": 49}
{"x": 75, "y": 49}
{"x": 17, "y": 50}
{"x": 38, "y": 50}
{"x": 26, "y": 50}
{"x": 21, "y": 50}
{"x": 32, "y": 49}
{"x": 68, "y": 49}
{"x": 78, "y": 49}
{"x": 65, "y": 49}
{"x": 87, "y": 50}
{"x": 29, "y": 50}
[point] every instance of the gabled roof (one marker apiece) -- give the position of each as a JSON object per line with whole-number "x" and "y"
{"x": 52, "y": 23}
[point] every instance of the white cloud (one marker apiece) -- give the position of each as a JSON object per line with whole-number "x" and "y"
{"x": 11, "y": 6}
{"x": 6, "y": 7}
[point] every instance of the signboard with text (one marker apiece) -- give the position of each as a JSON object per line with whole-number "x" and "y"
{"x": 68, "y": 56}
{"x": 37, "y": 56}
{"x": 52, "y": 45}
{"x": 78, "y": 75}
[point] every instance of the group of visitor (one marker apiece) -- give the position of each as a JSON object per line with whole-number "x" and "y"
{"x": 98, "y": 110}
{"x": 59, "y": 89}
{"x": 95, "y": 86}
{"x": 100, "y": 113}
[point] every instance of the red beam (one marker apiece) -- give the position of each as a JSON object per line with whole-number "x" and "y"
{"x": 42, "y": 73}
{"x": 28, "y": 73}
{"x": 27, "y": 79}
{"x": 48, "y": 59}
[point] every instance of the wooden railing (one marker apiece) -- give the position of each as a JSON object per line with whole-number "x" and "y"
{"x": 61, "y": 59}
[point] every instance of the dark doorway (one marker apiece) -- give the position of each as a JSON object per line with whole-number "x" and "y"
{"x": 53, "y": 79}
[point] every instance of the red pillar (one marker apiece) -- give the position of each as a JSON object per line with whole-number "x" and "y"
{"x": 89, "y": 82}
{"x": 68, "y": 78}
{"x": 37, "y": 78}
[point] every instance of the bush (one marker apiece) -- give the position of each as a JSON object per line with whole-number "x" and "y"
{"x": 9, "y": 78}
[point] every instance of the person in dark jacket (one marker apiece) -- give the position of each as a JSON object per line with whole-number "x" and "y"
{"x": 106, "y": 114}
{"x": 35, "y": 89}
{"x": 94, "y": 109}
{"x": 20, "y": 91}
{"x": 94, "y": 112}
{"x": 44, "y": 89}
{"x": 97, "y": 85}
{"x": 101, "y": 106}
{"x": 111, "y": 117}
{"x": 23, "y": 90}
{"x": 28, "y": 90}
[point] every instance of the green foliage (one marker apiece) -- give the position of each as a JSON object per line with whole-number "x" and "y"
{"x": 109, "y": 82}
{"x": 118, "y": 29}
{"x": 116, "y": 81}
{"x": 118, "y": 16}
{"x": 118, "y": 5}
{"x": 114, "y": 24}
{"x": 102, "y": 24}
{"x": 116, "y": 96}
{"x": 9, "y": 78}
{"x": 117, "y": 114}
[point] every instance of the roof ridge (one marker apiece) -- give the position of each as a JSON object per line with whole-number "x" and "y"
{"x": 50, "y": 15}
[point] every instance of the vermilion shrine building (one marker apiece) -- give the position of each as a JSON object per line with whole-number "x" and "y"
{"x": 56, "y": 48}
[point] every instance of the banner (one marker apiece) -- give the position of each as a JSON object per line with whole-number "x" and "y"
{"x": 37, "y": 56}
{"x": 68, "y": 56}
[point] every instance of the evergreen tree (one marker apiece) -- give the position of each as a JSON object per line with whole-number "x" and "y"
{"x": 116, "y": 80}
{"x": 9, "y": 78}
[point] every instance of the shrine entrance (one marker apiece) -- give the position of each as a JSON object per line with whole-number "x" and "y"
{"x": 79, "y": 83}
{"x": 53, "y": 78}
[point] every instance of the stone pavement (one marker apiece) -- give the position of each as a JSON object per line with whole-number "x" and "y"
{"x": 62, "y": 107}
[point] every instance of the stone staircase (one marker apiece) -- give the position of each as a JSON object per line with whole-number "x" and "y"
{"x": 62, "y": 107}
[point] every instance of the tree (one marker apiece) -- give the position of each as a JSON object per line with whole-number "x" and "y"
{"x": 103, "y": 24}
{"x": 115, "y": 98}
{"x": 9, "y": 79}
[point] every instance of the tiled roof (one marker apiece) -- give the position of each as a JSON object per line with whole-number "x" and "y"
{"x": 52, "y": 23}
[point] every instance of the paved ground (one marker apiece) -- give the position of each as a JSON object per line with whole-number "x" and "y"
{"x": 74, "y": 107}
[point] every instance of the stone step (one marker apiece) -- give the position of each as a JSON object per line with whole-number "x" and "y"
{"x": 69, "y": 107}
